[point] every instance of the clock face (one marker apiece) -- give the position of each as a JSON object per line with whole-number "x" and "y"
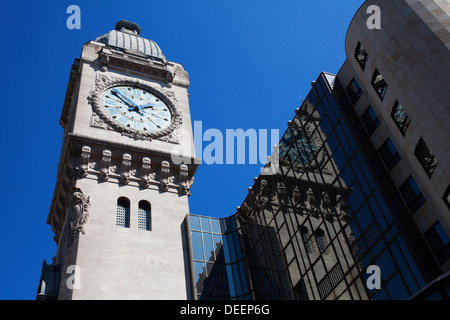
{"x": 296, "y": 147}
{"x": 136, "y": 109}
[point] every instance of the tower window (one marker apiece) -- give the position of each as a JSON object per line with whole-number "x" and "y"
{"x": 425, "y": 157}
{"x": 320, "y": 237}
{"x": 354, "y": 91}
{"x": 144, "y": 216}
{"x": 370, "y": 120}
{"x": 389, "y": 154}
{"x": 304, "y": 233}
{"x": 123, "y": 213}
{"x": 361, "y": 55}
{"x": 412, "y": 194}
{"x": 439, "y": 242}
{"x": 379, "y": 84}
{"x": 400, "y": 117}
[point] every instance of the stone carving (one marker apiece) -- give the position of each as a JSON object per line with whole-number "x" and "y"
{"x": 341, "y": 209}
{"x": 102, "y": 164}
{"x": 82, "y": 169}
{"x": 104, "y": 82}
{"x": 164, "y": 176}
{"x": 184, "y": 182}
{"x": 125, "y": 169}
{"x": 78, "y": 212}
{"x": 105, "y": 165}
{"x": 145, "y": 172}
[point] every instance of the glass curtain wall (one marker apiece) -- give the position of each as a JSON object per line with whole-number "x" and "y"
{"x": 310, "y": 230}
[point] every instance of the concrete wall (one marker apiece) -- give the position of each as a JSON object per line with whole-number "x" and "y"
{"x": 411, "y": 51}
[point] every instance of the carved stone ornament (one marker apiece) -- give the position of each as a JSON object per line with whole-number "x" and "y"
{"x": 164, "y": 176}
{"x": 105, "y": 165}
{"x": 82, "y": 169}
{"x": 78, "y": 212}
{"x": 103, "y": 83}
{"x": 184, "y": 182}
{"x": 125, "y": 174}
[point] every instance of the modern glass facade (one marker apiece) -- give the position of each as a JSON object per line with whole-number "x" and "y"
{"x": 310, "y": 230}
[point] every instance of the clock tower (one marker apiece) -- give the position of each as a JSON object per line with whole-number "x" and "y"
{"x": 124, "y": 175}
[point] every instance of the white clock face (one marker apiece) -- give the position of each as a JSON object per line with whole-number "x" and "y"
{"x": 136, "y": 109}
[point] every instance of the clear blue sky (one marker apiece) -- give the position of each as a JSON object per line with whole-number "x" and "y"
{"x": 249, "y": 64}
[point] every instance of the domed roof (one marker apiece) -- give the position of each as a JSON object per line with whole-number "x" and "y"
{"x": 126, "y": 36}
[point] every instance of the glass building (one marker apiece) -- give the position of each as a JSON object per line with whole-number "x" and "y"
{"x": 309, "y": 229}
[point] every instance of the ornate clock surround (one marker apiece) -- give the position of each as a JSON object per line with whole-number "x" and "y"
{"x": 103, "y": 83}
{"x": 308, "y": 130}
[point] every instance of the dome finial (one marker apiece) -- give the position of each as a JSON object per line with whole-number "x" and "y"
{"x": 125, "y": 25}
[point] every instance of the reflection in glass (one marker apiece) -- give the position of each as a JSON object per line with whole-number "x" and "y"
{"x": 311, "y": 229}
{"x": 400, "y": 117}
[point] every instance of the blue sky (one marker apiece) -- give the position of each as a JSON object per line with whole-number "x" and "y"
{"x": 249, "y": 62}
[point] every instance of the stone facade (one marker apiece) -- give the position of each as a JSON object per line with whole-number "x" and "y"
{"x": 411, "y": 52}
{"x": 101, "y": 162}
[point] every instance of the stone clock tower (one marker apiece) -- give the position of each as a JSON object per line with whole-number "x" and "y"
{"x": 122, "y": 188}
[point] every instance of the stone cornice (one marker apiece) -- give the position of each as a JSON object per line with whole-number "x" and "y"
{"x": 88, "y": 158}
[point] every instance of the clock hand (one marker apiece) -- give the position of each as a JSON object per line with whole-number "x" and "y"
{"x": 124, "y": 98}
{"x": 133, "y": 107}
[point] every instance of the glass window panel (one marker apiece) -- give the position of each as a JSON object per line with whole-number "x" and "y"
{"x": 425, "y": 157}
{"x": 208, "y": 245}
{"x": 199, "y": 268}
{"x": 205, "y": 224}
{"x": 412, "y": 194}
{"x": 396, "y": 288}
{"x": 355, "y": 198}
{"x": 389, "y": 154}
{"x": 377, "y": 212}
{"x": 386, "y": 265}
{"x": 344, "y": 143}
{"x": 358, "y": 173}
{"x": 410, "y": 262}
{"x": 123, "y": 213}
{"x": 367, "y": 176}
{"x": 230, "y": 280}
{"x": 217, "y": 241}
{"x": 231, "y": 250}
{"x": 215, "y": 226}
{"x": 404, "y": 268}
{"x": 197, "y": 246}
{"x": 361, "y": 55}
{"x": 400, "y": 117}
{"x": 354, "y": 91}
{"x": 364, "y": 217}
{"x": 194, "y": 222}
{"x": 370, "y": 120}
{"x": 380, "y": 295}
{"x": 144, "y": 216}
{"x": 439, "y": 242}
{"x": 379, "y": 84}
{"x": 383, "y": 207}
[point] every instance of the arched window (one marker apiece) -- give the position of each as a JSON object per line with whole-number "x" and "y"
{"x": 304, "y": 233}
{"x": 320, "y": 237}
{"x": 123, "y": 212}
{"x": 144, "y": 216}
